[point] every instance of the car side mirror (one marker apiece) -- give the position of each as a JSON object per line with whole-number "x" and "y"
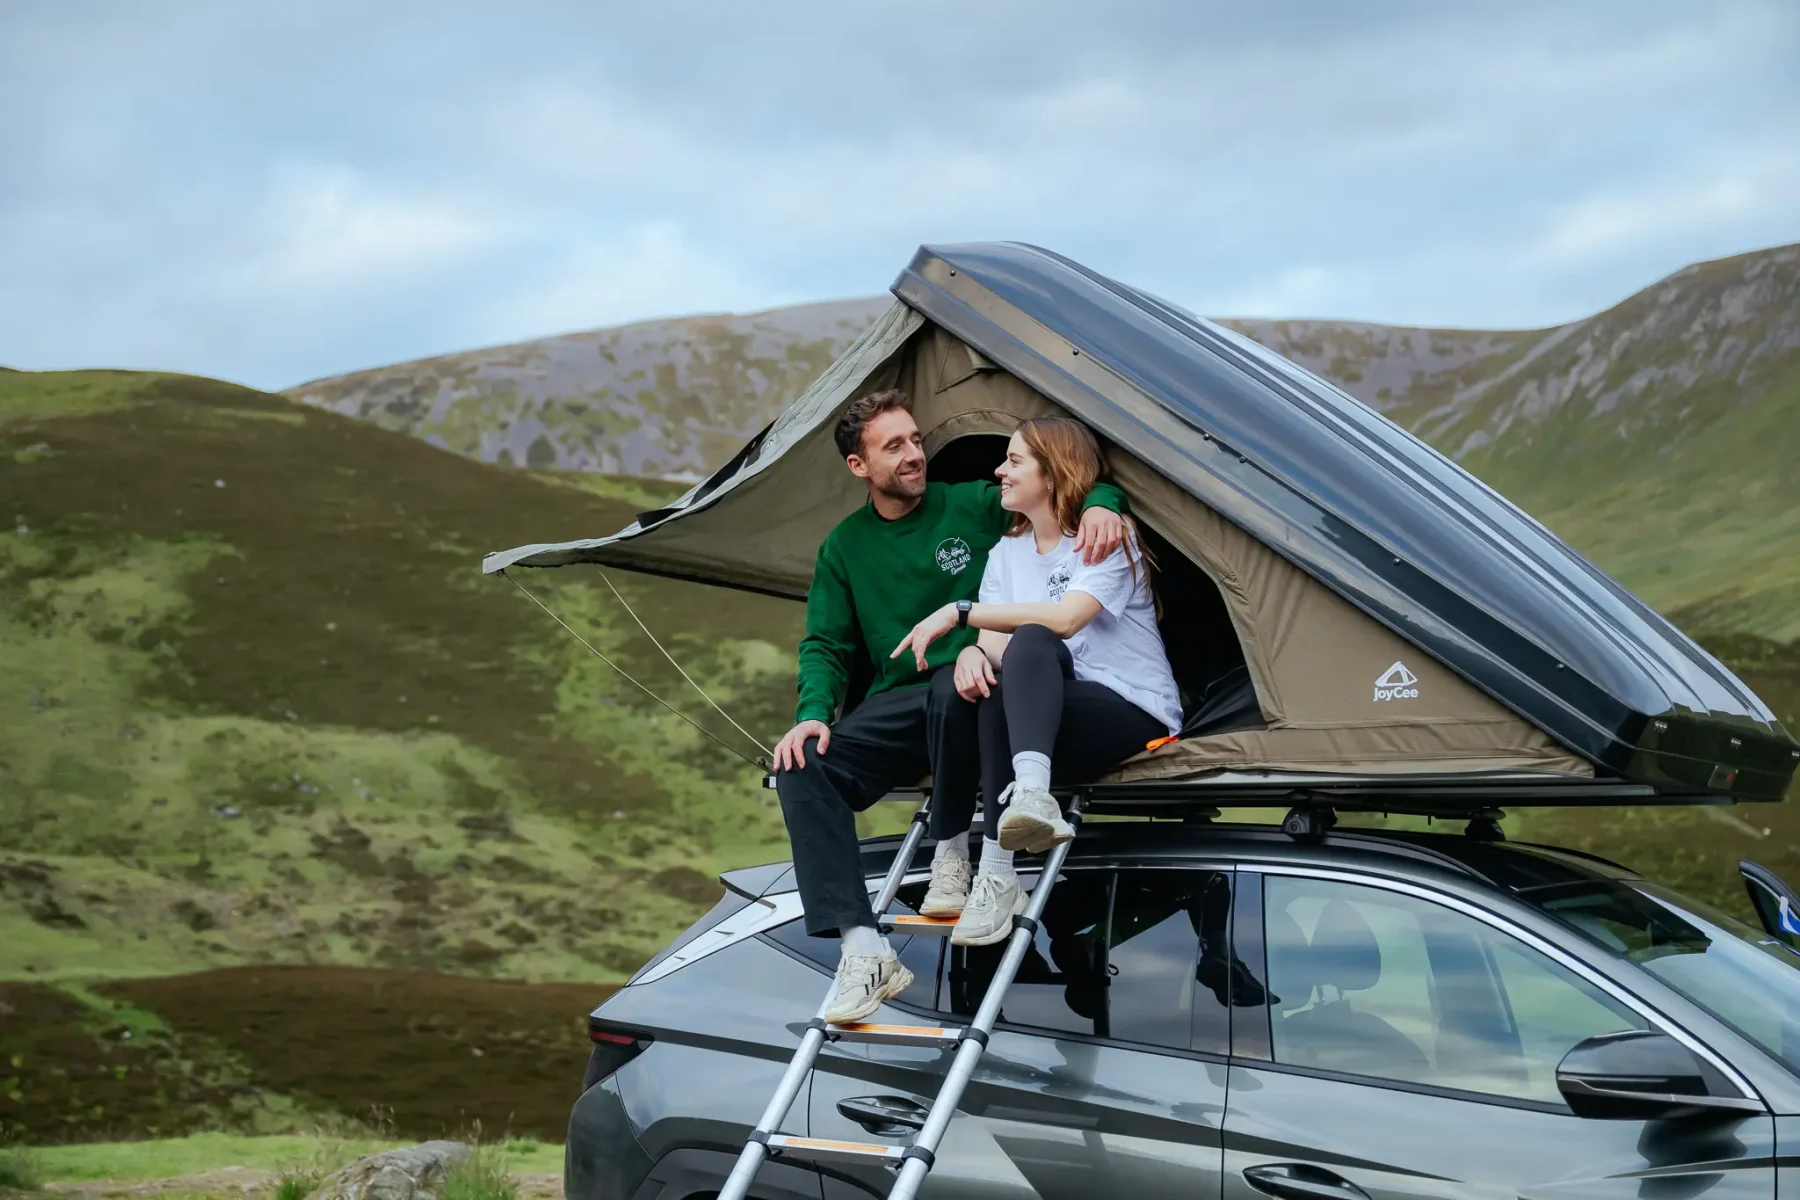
{"x": 1641, "y": 1075}
{"x": 1777, "y": 907}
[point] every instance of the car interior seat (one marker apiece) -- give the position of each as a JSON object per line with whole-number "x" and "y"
{"x": 1342, "y": 957}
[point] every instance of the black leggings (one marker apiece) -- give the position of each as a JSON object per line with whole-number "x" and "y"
{"x": 1084, "y": 728}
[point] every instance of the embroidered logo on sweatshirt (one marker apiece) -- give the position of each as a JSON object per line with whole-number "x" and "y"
{"x": 953, "y": 555}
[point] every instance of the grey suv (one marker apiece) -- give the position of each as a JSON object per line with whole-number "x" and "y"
{"x": 1214, "y": 1010}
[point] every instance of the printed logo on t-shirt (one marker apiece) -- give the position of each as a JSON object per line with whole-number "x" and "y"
{"x": 953, "y": 555}
{"x": 1058, "y": 581}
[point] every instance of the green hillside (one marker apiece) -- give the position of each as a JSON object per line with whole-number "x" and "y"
{"x": 257, "y": 704}
{"x": 258, "y": 707}
{"x": 1660, "y": 438}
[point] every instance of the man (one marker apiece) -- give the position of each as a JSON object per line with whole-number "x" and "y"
{"x": 912, "y": 548}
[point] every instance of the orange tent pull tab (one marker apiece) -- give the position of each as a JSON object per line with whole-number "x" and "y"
{"x": 1160, "y": 742}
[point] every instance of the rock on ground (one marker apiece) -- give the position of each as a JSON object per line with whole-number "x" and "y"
{"x": 411, "y": 1173}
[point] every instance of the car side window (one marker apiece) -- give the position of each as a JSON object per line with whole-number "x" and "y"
{"x": 1376, "y": 983}
{"x": 1117, "y": 955}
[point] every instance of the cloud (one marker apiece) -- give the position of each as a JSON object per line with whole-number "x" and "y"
{"x": 1766, "y": 185}
{"x": 330, "y": 229}
{"x": 279, "y": 193}
{"x": 649, "y": 271}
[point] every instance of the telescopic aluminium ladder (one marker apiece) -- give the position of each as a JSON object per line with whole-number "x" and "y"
{"x": 914, "y": 1160}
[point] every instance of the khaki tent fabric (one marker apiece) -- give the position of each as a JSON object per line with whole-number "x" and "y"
{"x": 761, "y": 528}
{"x": 1314, "y": 659}
{"x": 1317, "y": 663}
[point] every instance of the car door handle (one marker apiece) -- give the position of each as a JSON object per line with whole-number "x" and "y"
{"x": 883, "y": 1114}
{"x": 1297, "y": 1181}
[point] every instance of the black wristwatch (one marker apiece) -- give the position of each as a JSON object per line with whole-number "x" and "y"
{"x": 962, "y": 613}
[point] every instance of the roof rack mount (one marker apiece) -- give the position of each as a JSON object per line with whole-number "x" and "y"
{"x": 1462, "y": 796}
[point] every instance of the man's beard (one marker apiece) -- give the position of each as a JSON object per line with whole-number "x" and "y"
{"x": 902, "y": 487}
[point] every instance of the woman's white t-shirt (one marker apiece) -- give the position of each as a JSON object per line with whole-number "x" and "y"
{"x": 1121, "y": 647}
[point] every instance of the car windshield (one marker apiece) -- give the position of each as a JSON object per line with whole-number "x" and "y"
{"x": 1738, "y": 974}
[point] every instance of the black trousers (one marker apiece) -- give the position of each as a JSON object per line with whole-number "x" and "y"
{"x": 1084, "y": 728}
{"x": 889, "y": 740}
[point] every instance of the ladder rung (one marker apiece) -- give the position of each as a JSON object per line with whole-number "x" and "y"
{"x": 827, "y": 1150}
{"x": 896, "y": 1035}
{"x": 924, "y": 926}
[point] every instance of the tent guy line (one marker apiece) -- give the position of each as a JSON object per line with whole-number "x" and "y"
{"x": 761, "y": 763}
{"x": 753, "y": 739}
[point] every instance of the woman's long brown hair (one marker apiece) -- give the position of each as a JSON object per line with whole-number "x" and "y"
{"x": 1069, "y": 456}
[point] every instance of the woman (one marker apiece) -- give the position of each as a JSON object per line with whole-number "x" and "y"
{"x": 1083, "y": 681}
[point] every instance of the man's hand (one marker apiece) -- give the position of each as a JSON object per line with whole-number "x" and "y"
{"x": 1102, "y": 531}
{"x": 926, "y": 632}
{"x": 974, "y": 674}
{"x": 790, "y": 753}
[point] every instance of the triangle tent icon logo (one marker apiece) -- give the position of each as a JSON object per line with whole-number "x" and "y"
{"x": 1397, "y": 683}
{"x": 1397, "y": 676}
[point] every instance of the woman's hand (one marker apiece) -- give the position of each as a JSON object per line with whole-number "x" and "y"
{"x": 926, "y": 632}
{"x": 974, "y": 674}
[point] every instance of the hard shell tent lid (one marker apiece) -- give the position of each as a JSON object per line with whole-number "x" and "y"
{"x": 1333, "y": 537}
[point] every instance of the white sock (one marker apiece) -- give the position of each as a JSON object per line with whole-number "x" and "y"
{"x": 864, "y": 939}
{"x": 959, "y": 842}
{"x": 1031, "y": 770}
{"x": 994, "y": 860}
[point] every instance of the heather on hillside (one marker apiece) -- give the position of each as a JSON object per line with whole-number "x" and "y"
{"x": 258, "y": 703}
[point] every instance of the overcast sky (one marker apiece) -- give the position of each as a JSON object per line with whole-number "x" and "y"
{"x": 271, "y": 192}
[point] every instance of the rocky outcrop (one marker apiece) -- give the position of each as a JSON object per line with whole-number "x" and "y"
{"x": 666, "y": 398}
{"x": 411, "y": 1173}
{"x": 676, "y": 398}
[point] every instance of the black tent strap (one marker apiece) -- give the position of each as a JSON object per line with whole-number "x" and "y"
{"x": 761, "y": 764}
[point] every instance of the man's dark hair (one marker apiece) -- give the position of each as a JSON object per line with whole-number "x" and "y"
{"x": 856, "y": 418}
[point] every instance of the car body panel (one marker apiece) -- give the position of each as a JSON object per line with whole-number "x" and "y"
{"x": 1396, "y": 1144}
{"x": 1787, "y": 1162}
{"x": 1050, "y": 1117}
{"x": 725, "y": 1027}
{"x": 602, "y": 1156}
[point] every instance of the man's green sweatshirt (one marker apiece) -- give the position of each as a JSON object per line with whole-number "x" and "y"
{"x": 875, "y": 579}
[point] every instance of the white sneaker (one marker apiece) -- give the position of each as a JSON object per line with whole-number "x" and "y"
{"x": 988, "y": 917}
{"x": 864, "y": 981}
{"x": 949, "y": 885}
{"x": 1033, "y": 821}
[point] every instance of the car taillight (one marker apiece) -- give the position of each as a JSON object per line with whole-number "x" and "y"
{"x": 614, "y": 1046}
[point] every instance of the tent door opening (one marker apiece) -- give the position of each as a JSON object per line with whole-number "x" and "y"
{"x": 1217, "y": 695}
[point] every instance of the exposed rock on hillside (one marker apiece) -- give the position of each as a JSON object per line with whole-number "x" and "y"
{"x": 677, "y": 397}
{"x": 661, "y": 398}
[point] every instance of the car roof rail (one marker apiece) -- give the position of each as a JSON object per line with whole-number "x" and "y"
{"x": 1585, "y": 854}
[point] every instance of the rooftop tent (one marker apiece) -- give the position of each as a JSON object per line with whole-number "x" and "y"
{"x": 1340, "y": 600}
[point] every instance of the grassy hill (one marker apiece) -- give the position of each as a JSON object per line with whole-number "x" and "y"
{"x": 257, "y": 704}
{"x": 1660, "y": 437}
